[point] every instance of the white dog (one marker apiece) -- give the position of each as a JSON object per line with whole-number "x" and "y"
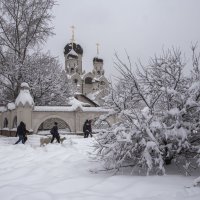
{"x": 62, "y": 139}
{"x": 47, "y": 140}
{"x": 44, "y": 141}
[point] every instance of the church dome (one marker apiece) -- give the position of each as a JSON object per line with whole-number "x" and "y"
{"x": 24, "y": 97}
{"x": 97, "y": 59}
{"x": 76, "y": 47}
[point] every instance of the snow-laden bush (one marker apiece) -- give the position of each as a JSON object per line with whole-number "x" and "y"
{"x": 158, "y": 116}
{"x": 131, "y": 142}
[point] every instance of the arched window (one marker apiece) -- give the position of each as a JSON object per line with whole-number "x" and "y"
{"x": 76, "y": 81}
{"x": 15, "y": 122}
{"x": 98, "y": 72}
{"x": 72, "y": 70}
{"x": 88, "y": 80}
{"x": 5, "y": 123}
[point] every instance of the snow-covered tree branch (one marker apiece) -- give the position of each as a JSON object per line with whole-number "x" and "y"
{"x": 24, "y": 27}
{"x": 158, "y": 115}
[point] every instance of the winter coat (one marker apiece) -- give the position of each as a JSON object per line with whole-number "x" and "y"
{"x": 21, "y": 130}
{"x": 54, "y": 130}
{"x": 87, "y": 127}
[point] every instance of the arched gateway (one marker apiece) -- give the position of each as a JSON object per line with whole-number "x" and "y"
{"x": 37, "y": 117}
{"x": 47, "y": 124}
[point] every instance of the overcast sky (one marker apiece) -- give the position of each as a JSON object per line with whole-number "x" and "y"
{"x": 142, "y": 27}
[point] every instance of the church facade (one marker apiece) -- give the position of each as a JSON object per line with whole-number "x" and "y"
{"x": 90, "y": 84}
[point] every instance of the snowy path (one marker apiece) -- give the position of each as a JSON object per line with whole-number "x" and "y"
{"x": 60, "y": 172}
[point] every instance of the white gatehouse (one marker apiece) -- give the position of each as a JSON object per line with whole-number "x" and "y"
{"x": 73, "y": 116}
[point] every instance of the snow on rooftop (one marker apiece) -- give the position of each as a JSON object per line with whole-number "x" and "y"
{"x": 98, "y": 78}
{"x": 93, "y": 95}
{"x": 68, "y": 109}
{"x": 76, "y": 103}
{"x": 11, "y": 106}
{"x": 72, "y": 52}
{"x": 96, "y": 109}
{"x": 24, "y": 85}
{"x": 53, "y": 108}
{"x": 24, "y": 96}
{"x": 77, "y": 93}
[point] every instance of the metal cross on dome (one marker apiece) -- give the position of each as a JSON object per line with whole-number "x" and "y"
{"x": 72, "y": 40}
{"x": 97, "y": 48}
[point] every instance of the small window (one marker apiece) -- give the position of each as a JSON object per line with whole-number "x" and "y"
{"x": 72, "y": 70}
{"x": 88, "y": 80}
{"x": 98, "y": 72}
{"x": 15, "y": 122}
{"x": 102, "y": 83}
{"x": 5, "y": 123}
{"x": 75, "y": 81}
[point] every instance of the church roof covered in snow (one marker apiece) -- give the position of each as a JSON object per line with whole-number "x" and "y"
{"x": 72, "y": 54}
{"x": 76, "y": 47}
{"x": 97, "y": 59}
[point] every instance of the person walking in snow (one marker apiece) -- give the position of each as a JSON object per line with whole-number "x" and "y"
{"x": 25, "y": 135}
{"x": 21, "y": 132}
{"x": 54, "y": 132}
{"x": 87, "y": 128}
{"x": 90, "y": 128}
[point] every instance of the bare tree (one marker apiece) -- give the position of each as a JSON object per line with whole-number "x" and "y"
{"x": 48, "y": 82}
{"x": 24, "y": 24}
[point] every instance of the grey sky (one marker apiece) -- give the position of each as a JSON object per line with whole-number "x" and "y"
{"x": 142, "y": 27}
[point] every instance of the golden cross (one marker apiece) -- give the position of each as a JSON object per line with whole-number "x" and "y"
{"x": 72, "y": 40}
{"x": 97, "y": 48}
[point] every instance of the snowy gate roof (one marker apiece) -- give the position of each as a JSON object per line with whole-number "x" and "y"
{"x": 74, "y": 104}
{"x": 24, "y": 97}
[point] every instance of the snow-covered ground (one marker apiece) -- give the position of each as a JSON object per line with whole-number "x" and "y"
{"x": 62, "y": 172}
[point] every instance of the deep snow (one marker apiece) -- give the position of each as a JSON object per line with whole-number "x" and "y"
{"x": 60, "y": 172}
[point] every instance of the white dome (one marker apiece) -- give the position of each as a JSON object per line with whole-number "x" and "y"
{"x": 24, "y": 97}
{"x": 24, "y": 85}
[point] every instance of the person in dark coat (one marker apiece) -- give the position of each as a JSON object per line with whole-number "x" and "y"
{"x": 21, "y": 132}
{"x": 55, "y": 134}
{"x": 90, "y": 128}
{"x": 25, "y": 135}
{"x": 87, "y": 128}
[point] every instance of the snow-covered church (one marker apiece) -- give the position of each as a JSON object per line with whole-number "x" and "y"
{"x": 89, "y": 85}
{"x": 86, "y": 104}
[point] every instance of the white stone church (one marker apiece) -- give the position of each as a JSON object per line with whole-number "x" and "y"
{"x": 91, "y": 84}
{"x": 86, "y": 104}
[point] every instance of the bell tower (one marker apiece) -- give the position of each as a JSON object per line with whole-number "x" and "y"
{"x": 98, "y": 64}
{"x": 73, "y": 56}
